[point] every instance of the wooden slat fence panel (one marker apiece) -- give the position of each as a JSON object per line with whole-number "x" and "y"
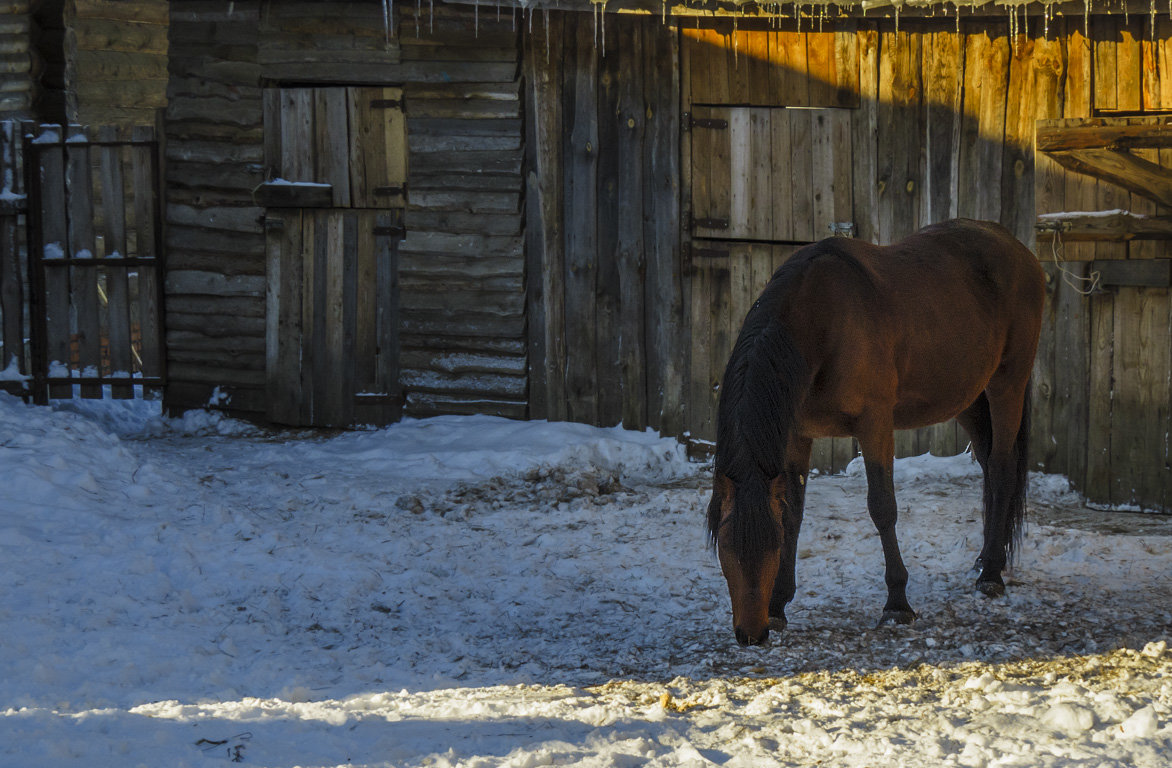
{"x": 96, "y": 322}
{"x": 13, "y": 358}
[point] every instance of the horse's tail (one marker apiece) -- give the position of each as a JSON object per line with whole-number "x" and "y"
{"x": 1012, "y": 524}
{"x": 1015, "y": 516}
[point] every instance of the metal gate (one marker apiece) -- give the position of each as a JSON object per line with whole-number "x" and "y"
{"x": 94, "y": 241}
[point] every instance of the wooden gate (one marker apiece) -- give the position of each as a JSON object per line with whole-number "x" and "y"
{"x": 336, "y": 164}
{"x": 95, "y": 275}
{"x": 764, "y": 182}
{"x": 1103, "y": 378}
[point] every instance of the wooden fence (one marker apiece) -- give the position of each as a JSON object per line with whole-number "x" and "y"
{"x": 80, "y": 305}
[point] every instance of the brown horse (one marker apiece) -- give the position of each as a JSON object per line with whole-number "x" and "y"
{"x": 853, "y": 339}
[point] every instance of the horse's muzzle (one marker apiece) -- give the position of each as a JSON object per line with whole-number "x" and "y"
{"x": 744, "y": 638}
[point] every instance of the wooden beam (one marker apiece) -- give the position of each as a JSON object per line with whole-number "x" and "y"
{"x": 1140, "y": 273}
{"x": 1103, "y": 225}
{"x": 1134, "y": 174}
{"x": 1103, "y": 135}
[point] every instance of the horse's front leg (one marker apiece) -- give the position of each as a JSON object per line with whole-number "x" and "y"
{"x": 878, "y": 457}
{"x": 792, "y": 491}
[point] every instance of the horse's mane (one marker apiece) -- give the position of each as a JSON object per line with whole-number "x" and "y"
{"x": 764, "y": 383}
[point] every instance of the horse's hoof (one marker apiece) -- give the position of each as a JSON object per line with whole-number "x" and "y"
{"x": 991, "y": 588}
{"x": 897, "y": 617}
{"x": 777, "y": 623}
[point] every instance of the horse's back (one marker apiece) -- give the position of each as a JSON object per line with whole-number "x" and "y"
{"x": 937, "y": 312}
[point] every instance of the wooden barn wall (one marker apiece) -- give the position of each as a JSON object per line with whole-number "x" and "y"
{"x": 462, "y": 263}
{"x": 17, "y": 87}
{"x": 115, "y": 61}
{"x": 607, "y": 313}
{"x": 942, "y": 124}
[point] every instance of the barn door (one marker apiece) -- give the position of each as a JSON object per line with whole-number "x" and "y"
{"x": 770, "y": 174}
{"x": 333, "y": 316}
{"x": 334, "y": 198}
{"x": 764, "y": 182}
{"x": 1103, "y": 376}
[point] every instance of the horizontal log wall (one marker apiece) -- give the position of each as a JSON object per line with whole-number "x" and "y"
{"x": 116, "y": 61}
{"x": 17, "y": 88}
{"x": 462, "y": 262}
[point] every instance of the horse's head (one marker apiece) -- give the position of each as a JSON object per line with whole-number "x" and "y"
{"x": 745, "y": 524}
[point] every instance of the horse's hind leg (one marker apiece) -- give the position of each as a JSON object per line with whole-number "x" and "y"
{"x": 878, "y": 447}
{"x": 1005, "y": 478}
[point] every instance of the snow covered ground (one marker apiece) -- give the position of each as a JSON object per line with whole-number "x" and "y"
{"x": 480, "y": 592}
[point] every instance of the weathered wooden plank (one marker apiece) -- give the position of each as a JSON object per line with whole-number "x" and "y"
{"x": 983, "y": 129}
{"x": 864, "y": 137}
{"x": 943, "y": 79}
{"x": 83, "y": 280}
{"x": 1017, "y": 160}
{"x": 820, "y": 65}
{"x": 631, "y": 247}
{"x": 1104, "y": 30}
{"x": 667, "y": 349}
{"x": 1114, "y": 225}
{"x": 846, "y": 65}
{"x": 12, "y": 332}
{"x": 712, "y": 172}
{"x": 780, "y": 171}
{"x": 740, "y": 175}
{"x": 1128, "y": 64}
{"x": 284, "y": 276}
{"x": 146, "y": 178}
{"x": 1104, "y": 133}
{"x": 580, "y": 154}
{"x": 608, "y": 277}
{"x": 900, "y": 133}
{"x": 331, "y": 142}
{"x": 1140, "y": 398}
{"x": 801, "y": 175}
{"x": 791, "y": 68}
{"x": 110, "y": 163}
{"x": 1098, "y": 438}
{"x": 1123, "y": 169}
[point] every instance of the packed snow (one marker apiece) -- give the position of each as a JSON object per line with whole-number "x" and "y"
{"x": 474, "y": 591}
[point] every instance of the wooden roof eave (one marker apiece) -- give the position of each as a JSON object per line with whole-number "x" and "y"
{"x": 829, "y": 10}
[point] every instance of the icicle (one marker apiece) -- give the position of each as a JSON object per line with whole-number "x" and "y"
{"x": 664, "y": 9}
{"x": 388, "y": 19}
{"x": 547, "y": 35}
{"x": 897, "y": 7}
{"x": 736, "y": 43}
{"x": 431, "y": 16}
{"x": 602, "y": 12}
{"x": 957, "y": 6}
{"x": 476, "y": 18}
{"x": 594, "y": 11}
{"x": 1086, "y": 17}
{"x": 418, "y": 14}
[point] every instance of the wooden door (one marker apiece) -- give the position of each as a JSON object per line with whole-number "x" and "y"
{"x": 765, "y": 182}
{"x": 333, "y": 351}
{"x": 335, "y": 194}
{"x": 770, "y": 174}
{"x": 1103, "y": 375}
